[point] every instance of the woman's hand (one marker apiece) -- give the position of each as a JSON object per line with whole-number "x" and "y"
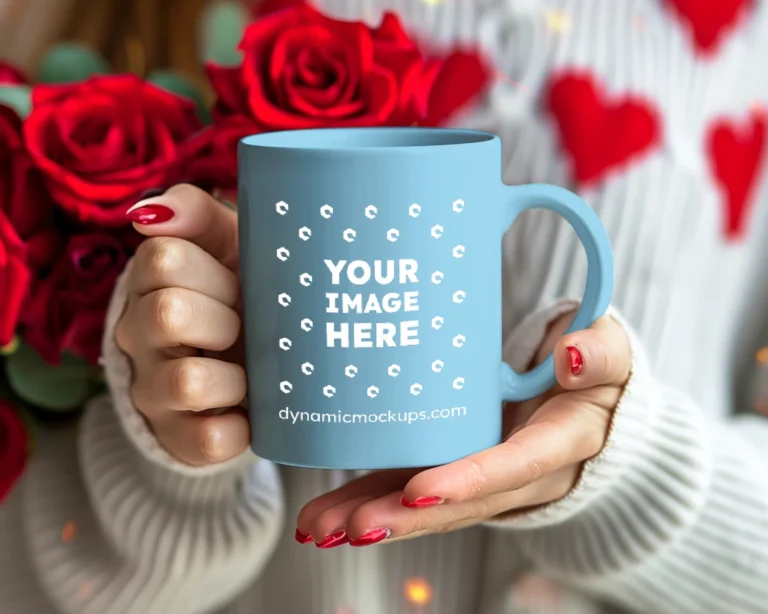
{"x": 539, "y": 462}
{"x": 181, "y": 326}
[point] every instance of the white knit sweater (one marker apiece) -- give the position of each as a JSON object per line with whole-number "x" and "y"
{"x": 672, "y": 517}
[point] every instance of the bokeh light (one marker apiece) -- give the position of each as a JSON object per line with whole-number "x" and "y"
{"x": 85, "y": 590}
{"x": 762, "y": 356}
{"x": 69, "y": 532}
{"x": 418, "y": 591}
{"x": 558, "y": 21}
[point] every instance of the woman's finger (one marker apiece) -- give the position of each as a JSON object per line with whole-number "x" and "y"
{"x": 175, "y": 317}
{"x": 169, "y": 262}
{"x": 566, "y": 430}
{"x": 187, "y": 212}
{"x": 326, "y": 527}
{"x": 385, "y": 518}
{"x": 596, "y": 356}
{"x": 189, "y": 384}
{"x": 201, "y": 440}
{"x": 371, "y": 485}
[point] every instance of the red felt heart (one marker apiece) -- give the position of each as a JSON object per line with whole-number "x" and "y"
{"x": 735, "y": 152}
{"x": 600, "y": 134}
{"x": 708, "y": 20}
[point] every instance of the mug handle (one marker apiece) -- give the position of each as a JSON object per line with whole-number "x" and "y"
{"x": 597, "y": 295}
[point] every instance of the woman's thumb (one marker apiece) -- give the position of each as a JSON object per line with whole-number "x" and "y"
{"x": 189, "y": 213}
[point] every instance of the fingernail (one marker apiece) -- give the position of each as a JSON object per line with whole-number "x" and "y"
{"x": 374, "y": 536}
{"x": 301, "y": 538}
{"x": 149, "y": 213}
{"x": 576, "y": 359}
{"x": 337, "y": 538}
{"x": 421, "y": 501}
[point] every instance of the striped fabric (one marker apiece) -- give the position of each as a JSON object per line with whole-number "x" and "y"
{"x": 672, "y": 517}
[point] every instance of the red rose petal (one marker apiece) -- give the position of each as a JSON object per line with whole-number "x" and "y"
{"x": 380, "y": 92}
{"x": 463, "y": 76}
{"x": 211, "y": 157}
{"x": 14, "y": 446}
{"x": 15, "y": 278}
{"x": 226, "y": 82}
{"x": 10, "y": 75}
{"x": 265, "y": 7}
{"x": 315, "y": 68}
{"x": 391, "y": 30}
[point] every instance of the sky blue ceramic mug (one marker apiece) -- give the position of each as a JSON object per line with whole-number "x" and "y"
{"x": 371, "y": 278}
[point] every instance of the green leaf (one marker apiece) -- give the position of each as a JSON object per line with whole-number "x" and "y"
{"x": 178, "y": 84}
{"x": 53, "y": 387}
{"x": 70, "y": 62}
{"x": 18, "y": 97}
{"x": 223, "y": 24}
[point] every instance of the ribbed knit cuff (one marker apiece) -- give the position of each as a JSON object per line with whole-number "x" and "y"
{"x": 119, "y": 376}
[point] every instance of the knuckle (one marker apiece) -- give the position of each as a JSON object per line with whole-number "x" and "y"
{"x": 165, "y": 256}
{"x": 535, "y": 469}
{"x": 187, "y": 189}
{"x": 169, "y": 311}
{"x": 476, "y": 480}
{"x": 209, "y": 441}
{"x": 532, "y": 469}
{"x": 420, "y": 522}
{"x": 191, "y": 382}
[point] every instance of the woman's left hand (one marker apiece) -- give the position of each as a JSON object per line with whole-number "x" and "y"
{"x": 548, "y": 440}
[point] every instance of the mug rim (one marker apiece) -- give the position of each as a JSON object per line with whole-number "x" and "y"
{"x": 377, "y": 139}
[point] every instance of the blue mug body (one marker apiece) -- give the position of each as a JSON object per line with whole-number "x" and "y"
{"x": 370, "y": 263}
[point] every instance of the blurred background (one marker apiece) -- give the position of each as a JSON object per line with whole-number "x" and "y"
{"x": 137, "y": 36}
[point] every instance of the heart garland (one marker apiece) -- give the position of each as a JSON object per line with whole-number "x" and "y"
{"x": 709, "y": 21}
{"x": 600, "y": 133}
{"x": 735, "y": 151}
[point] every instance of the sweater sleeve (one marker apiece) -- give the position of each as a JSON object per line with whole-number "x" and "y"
{"x": 672, "y": 516}
{"x": 204, "y": 533}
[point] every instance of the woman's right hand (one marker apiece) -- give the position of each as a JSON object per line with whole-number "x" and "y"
{"x": 181, "y": 327}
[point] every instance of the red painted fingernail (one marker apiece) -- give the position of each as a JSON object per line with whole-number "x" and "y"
{"x": 150, "y": 214}
{"x": 338, "y": 538}
{"x": 301, "y": 538}
{"x": 576, "y": 359}
{"x": 374, "y": 536}
{"x": 421, "y": 501}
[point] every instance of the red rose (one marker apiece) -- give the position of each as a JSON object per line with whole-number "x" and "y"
{"x": 13, "y": 448}
{"x": 22, "y": 195}
{"x": 259, "y": 8}
{"x": 14, "y": 279}
{"x": 102, "y": 143}
{"x": 302, "y": 69}
{"x": 67, "y": 308}
{"x": 10, "y": 75}
{"x": 212, "y": 154}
